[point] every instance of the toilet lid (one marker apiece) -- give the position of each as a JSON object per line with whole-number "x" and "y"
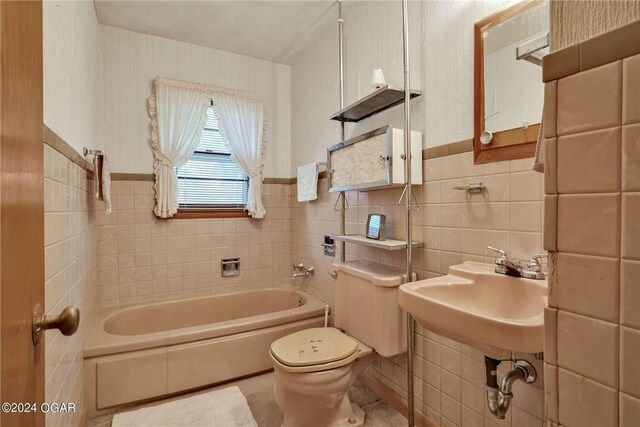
{"x": 313, "y": 346}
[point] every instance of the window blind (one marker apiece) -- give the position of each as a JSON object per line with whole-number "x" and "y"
{"x": 211, "y": 179}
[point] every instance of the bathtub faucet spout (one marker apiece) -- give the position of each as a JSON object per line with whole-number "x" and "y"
{"x": 300, "y": 270}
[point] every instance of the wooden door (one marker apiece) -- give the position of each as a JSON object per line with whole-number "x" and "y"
{"x": 21, "y": 208}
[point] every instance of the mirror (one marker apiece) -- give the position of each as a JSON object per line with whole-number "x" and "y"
{"x": 509, "y": 92}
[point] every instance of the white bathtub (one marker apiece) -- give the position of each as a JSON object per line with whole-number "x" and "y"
{"x": 153, "y": 350}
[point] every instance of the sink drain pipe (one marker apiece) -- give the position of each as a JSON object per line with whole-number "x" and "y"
{"x": 499, "y": 397}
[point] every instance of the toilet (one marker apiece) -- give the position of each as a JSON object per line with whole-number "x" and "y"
{"x": 314, "y": 368}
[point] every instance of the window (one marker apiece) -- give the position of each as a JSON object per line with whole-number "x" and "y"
{"x": 211, "y": 180}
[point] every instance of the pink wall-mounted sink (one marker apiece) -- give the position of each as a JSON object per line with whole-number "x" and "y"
{"x": 495, "y": 313}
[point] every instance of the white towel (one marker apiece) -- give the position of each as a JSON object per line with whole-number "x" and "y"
{"x": 538, "y": 161}
{"x": 308, "y": 182}
{"x": 102, "y": 171}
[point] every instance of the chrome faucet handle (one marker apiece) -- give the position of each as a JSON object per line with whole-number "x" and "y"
{"x": 538, "y": 257}
{"x": 535, "y": 263}
{"x": 298, "y": 266}
{"x": 502, "y": 253}
{"x": 534, "y": 268}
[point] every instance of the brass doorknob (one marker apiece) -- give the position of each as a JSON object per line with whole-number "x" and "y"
{"x": 66, "y": 322}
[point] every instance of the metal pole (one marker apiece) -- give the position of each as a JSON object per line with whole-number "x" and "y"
{"x": 408, "y": 198}
{"x": 342, "y": 194}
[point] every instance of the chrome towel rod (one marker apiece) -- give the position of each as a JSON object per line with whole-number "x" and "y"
{"x": 472, "y": 187}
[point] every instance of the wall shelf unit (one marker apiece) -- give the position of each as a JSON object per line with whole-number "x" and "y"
{"x": 380, "y": 100}
{"x": 374, "y": 103}
{"x": 389, "y": 244}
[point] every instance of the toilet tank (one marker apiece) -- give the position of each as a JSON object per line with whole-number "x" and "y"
{"x": 365, "y": 300}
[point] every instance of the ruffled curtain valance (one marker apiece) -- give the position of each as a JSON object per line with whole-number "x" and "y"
{"x": 178, "y": 114}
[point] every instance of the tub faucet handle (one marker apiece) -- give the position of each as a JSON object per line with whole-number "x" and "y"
{"x": 301, "y": 271}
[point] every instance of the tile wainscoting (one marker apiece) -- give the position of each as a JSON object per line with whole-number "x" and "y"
{"x": 142, "y": 259}
{"x": 71, "y": 275}
{"x": 455, "y": 227}
{"x": 145, "y": 259}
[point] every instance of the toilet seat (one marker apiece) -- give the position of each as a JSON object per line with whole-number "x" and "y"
{"x": 315, "y": 350}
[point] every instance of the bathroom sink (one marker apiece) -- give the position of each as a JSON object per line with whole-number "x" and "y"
{"x": 495, "y": 313}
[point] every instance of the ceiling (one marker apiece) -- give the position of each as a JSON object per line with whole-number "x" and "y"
{"x": 271, "y": 30}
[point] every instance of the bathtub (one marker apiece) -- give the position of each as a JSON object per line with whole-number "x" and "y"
{"x": 147, "y": 351}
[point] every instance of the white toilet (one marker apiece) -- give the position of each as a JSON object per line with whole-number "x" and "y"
{"x": 315, "y": 367}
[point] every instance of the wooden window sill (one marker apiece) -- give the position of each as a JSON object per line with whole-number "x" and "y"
{"x": 186, "y": 214}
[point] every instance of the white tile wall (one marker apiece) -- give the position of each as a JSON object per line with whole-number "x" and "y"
{"x": 70, "y": 277}
{"x": 142, "y": 258}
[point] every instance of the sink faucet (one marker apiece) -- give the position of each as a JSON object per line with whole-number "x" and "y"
{"x": 513, "y": 267}
{"x": 301, "y": 271}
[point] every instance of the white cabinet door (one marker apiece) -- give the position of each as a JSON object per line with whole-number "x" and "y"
{"x": 373, "y": 160}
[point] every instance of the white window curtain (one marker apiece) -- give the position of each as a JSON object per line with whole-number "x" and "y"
{"x": 242, "y": 126}
{"x": 178, "y": 115}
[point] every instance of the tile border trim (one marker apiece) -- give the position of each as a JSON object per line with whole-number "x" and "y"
{"x": 283, "y": 181}
{"x": 611, "y": 46}
{"x": 54, "y": 141}
{"x": 118, "y": 176}
{"x": 450, "y": 149}
{"x": 458, "y": 147}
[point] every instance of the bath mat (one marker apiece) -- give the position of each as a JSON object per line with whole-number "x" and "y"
{"x": 220, "y": 408}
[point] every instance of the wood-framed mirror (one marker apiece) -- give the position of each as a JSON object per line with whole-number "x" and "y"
{"x": 508, "y": 87}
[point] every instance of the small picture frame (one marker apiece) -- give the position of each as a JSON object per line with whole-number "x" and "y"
{"x": 376, "y": 226}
